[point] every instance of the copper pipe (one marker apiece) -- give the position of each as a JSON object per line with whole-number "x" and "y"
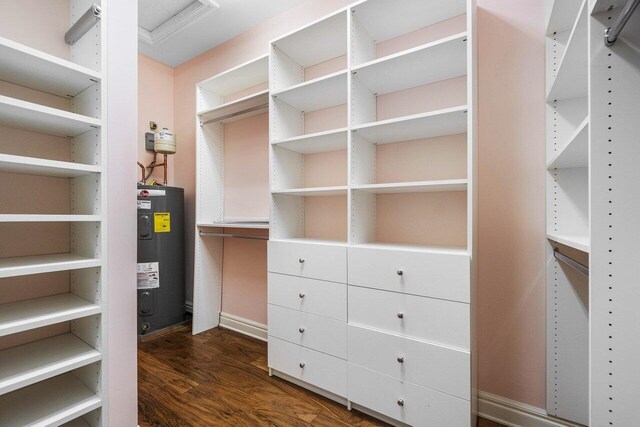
{"x": 165, "y": 169}
{"x": 144, "y": 171}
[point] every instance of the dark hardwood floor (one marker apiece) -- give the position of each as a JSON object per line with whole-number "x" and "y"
{"x": 219, "y": 378}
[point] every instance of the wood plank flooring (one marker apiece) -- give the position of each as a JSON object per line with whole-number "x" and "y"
{"x": 219, "y": 378}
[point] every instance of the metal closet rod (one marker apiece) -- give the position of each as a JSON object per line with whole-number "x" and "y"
{"x": 611, "y": 34}
{"x": 233, "y": 236}
{"x": 581, "y": 268}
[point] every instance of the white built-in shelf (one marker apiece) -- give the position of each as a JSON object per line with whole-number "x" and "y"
{"x": 449, "y": 121}
{"x": 577, "y": 242}
{"x": 384, "y": 20}
{"x": 251, "y": 105}
{"x": 316, "y": 94}
{"x": 312, "y": 241}
{"x": 317, "y": 42}
{"x": 407, "y": 247}
{"x": 27, "y": 265}
{"x": 429, "y": 63}
{"x": 332, "y": 140}
{"x": 415, "y": 187}
{"x": 314, "y": 191}
{"x": 35, "y": 313}
{"x": 604, "y": 5}
{"x": 562, "y": 15}
{"x": 40, "y": 360}
{"x": 48, "y": 218}
{"x": 575, "y": 153}
{"x": 49, "y": 403}
{"x": 237, "y": 224}
{"x": 18, "y": 114}
{"x": 44, "y": 167}
{"x": 571, "y": 80}
{"x": 239, "y": 78}
{"x": 29, "y": 67}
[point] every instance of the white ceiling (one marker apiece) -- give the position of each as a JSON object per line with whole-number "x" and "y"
{"x": 200, "y": 31}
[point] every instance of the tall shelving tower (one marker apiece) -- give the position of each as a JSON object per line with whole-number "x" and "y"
{"x": 52, "y": 256}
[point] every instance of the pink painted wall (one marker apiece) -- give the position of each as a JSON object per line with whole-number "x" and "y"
{"x": 511, "y": 183}
{"x": 155, "y": 92}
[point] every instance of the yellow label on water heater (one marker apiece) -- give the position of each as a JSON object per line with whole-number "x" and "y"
{"x": 162, "y": 222}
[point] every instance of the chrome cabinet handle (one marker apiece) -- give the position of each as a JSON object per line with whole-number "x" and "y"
{"x": 400, "y": 359}
{"x": 301, "y": 364}
{"x": 301, "y": 295}
{"x": 400, "y": 402}
{"x": 301, "y": 330}
{"x": 399, "y": 272}
{"x": 300, "y": 260}
{"x": 400, "y": 315}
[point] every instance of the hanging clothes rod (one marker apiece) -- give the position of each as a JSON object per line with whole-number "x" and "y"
{"x": 233, "y": 236}
{"x": 236, "y": 114}
{"x": 611, "y": 34}
{"x": 581, "y": 268}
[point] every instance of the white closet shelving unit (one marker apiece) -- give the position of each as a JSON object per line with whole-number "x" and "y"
{"x": 235, "y": 94}
{"x": 371, "y": 277}
{"x": 52, "y": 268}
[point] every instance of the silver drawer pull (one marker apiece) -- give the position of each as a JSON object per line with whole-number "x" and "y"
{"x": 400, "y": 315}
{"x": 301, "y": 295}
{"x": 301, "y": 364}
{"x": 300, "y": 260}
{"x": 400, "y": 402}
{"x": 399, "y": 272}
{"x": 400, "y": 359}
{"x": 301, "y": 330}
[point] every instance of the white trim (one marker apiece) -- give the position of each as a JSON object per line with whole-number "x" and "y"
{"x": 243, "y": 326}
{"x": 178, "y": 22}
{"x": 516, "y": 414}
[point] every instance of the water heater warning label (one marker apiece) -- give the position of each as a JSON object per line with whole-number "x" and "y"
{"x": 162, "y": 222}
{"x": 148, "y": 275}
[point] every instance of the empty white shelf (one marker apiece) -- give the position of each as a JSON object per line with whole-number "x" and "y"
{"x": 577, "y": 242}
{"x": 237, "y": 224}
{"x": 563, "y": 15}
{"x": 22, "y": 266}
{"x": 320, "y": 142}
{"x": 317, "y": 42}
{"x": 317, "y": 94}
{"x": 29, "y": 67}
{"x": 450, "y": 121}
{"x": 244, "y": 76}
{"x": 35, "y": 166}
{"x": 48, "y": 403}
{"x": 572, "y": 78}
{"x": 18, "y": 114}
{"x": 415, "y": 187}
{"x": 575, "y": 153}
{"x": 317, "y": 191}
{"x": 429, "y": 63}
{"x": 407, "y": 247}
{"x": 248, "y": 106}
{"x": 311, "y": 241}
{"x": 40, "y": 360}
{"x": 48, "y": 218}
{"x": 384, "y": 20}
{"x": 35, "y": 313}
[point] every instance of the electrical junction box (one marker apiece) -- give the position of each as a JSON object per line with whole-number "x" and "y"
{"x": 149, "y": 141}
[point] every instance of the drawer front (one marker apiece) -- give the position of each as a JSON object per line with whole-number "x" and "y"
{"x": 406, "y": 402}
{"x": 315, "y": 261}
{"x": 418, "y": 273}
{"x": 308, "y": 330}
{"x": 313, "y": 296}
{"x": 421, "y": 363}
{"x": 318, "y": 369}
{"x": 438, "y": 321}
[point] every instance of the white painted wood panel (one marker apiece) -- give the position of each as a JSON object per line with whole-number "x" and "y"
{"x": 438, "y": 321}
{"x": 315, "y": 261}
{"x": 312, "y": 296}
{"x": 318, "y": 333}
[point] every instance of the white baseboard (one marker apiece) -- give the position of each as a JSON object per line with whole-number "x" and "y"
{"x": 243, "y": 326}
{"x": 516, "y": 414}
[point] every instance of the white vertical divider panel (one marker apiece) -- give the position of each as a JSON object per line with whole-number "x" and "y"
{"x": 615, "y": 229}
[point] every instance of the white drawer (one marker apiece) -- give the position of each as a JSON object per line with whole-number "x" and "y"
{"x": 438, "y": 321}
{"x": 318, "y": 369}
{"x": 313, "y": 296}
{"x": 313, "y": 260}
{"x": 429, "y": 365}
{"x": 308, "y": 330}
{"x": 406, "y": 402}
{"x": 436, "y": 275}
